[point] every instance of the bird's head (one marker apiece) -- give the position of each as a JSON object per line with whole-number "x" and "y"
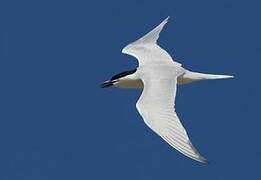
{"x": 118, "y": 77}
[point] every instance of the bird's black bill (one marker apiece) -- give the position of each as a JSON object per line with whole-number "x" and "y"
{"x": 107, "y": 84}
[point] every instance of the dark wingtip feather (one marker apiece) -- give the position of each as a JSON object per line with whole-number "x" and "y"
{"x": 204, "y": 161}
{"x": 200, "y": 157}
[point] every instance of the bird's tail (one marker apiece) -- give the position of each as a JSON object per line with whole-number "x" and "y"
{"x": 189, "y": 77}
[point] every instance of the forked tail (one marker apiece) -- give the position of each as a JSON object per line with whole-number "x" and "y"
{"x": 189, "y": 77}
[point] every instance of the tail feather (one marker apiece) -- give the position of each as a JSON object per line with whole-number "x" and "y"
{"x": 189, "y": 77}
{"x": 210, "y": 76}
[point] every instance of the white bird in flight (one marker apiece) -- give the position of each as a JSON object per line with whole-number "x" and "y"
{"x": 158, "y": 74}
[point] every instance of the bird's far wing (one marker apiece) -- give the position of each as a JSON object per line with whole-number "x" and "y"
{"x": 152, "y": 36}
{"x": 146, "y": 49}
{"x": 156, "y": 106}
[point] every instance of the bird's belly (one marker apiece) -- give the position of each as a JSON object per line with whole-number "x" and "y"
{"x": 129, "y": 84}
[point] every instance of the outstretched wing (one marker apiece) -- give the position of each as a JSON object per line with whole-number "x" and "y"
{"x": 156, "y": 106}
{"x": 146, "y": 49}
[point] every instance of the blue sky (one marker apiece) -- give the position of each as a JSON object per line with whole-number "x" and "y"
{"x": 56, "y": 123}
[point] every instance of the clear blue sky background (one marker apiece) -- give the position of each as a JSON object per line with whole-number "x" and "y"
{"x": 56, "y": 123}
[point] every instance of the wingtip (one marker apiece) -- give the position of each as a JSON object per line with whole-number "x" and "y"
{"x": 165, "y": 20}
{"x": 199, "y": 157}
{"x": 163, "y": 23}
{"x": 204, "y": 160}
